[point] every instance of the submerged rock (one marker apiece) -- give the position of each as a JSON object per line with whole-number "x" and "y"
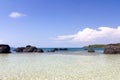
{"x": 85, "y": 48}
{"x": 4, "y": 48}
{"x": 91, "y": 50}
{"x": 51, "y": 50}
{"x": 64, "y": 49}
{"x": 29, "y": 48}
{"x": 58, "y": 49}
{"x": 112, "y": 49}
{"x": 40, "y": 50}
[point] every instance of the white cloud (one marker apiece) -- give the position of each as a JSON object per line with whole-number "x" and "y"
{"x": 99, "y": 35}
{"x": 16, "y": 15}
{"x": 0, "y": 41}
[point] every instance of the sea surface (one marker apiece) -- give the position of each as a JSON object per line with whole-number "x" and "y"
{"x": 65, "y": 65}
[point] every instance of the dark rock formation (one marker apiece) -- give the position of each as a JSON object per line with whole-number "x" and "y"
{"x": 58, "y": 49}
{"x": 51, "y": 50}
{"x": 112, "y": 49}
{"x": 29, "y": 48}
{"x": 19, "y": 49}
{"x": 64, "y": 49}
{"x": 91, "y": 50}
{"x": 4, "y": 48}
{"x": 40, "y": 50}
{"x": 55, "y": 49}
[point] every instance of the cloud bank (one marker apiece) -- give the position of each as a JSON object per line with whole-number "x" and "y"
{"x": 16, "y": 15}
{"x": 99, "y": 35}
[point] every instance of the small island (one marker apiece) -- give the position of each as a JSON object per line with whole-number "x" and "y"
{"x": 95, "y": 46}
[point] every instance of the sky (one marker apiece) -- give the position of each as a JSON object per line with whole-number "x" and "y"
{"x": 59, "y": 23}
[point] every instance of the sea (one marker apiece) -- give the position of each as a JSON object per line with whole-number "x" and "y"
{"x": 73, "y": 64}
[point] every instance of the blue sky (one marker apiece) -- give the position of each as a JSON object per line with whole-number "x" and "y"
{"x": 59, "y": 23}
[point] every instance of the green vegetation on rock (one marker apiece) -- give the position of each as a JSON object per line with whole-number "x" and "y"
{"x": 100, "y": 45}
{"x": 95, "y": 46}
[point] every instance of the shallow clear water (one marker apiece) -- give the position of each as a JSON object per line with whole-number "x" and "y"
{"x": 60, "y": 66}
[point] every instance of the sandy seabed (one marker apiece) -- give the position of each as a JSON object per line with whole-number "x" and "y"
{"x": 59, "y": 67}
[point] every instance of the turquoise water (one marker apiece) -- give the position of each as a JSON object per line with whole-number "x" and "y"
{"x": 69, "y": 49}
{"x": 77, "y": 65}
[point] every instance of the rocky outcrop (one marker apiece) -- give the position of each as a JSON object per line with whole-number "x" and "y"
{"x": 39, "y": 50}
{"x": 4, "y": 48}
{"x": 112, "y": 49}
{"x": 58, "y": 49}
{"x": 19, "y": 49}
{"x": 29, "y": 48}
{"x": 51, "y": 50}
{"x": 91, "y": 50}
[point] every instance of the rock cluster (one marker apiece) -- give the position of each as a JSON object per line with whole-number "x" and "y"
{"x": 29, "y": 48}
{"x": 4, "y": 48}
{"x": 112, "y": 49}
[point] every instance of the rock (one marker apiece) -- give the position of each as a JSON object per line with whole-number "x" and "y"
{"x": 112, "y": 49}
{"x": 57, "y": 49}
{"x": 63, "y": 49}
{"x": 60, "y": 49}
{"x": 91, "y": 50}
{"x": 29, "y": 48}
{"x": 40, "y": 50}
{"x": 4, "y": 48}
{"x": 85, "y": 49}
{"x": 19, "y": 49}
{"x": 51, "y": 50}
